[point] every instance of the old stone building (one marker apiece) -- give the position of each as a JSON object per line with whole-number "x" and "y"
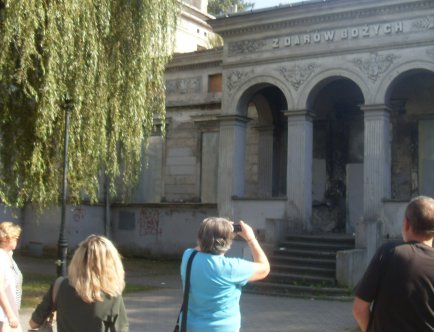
{"x": 315, "y": 117}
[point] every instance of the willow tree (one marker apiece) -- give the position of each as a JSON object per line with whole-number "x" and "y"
{"x": 103, "y": 58}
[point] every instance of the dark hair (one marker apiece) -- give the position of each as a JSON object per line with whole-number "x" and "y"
{"x": 215, "y": 235}
{"x": 420, "y": 215}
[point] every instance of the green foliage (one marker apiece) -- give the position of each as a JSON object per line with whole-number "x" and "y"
{"x": 104, "y": 58}
{"x": 215, "y": 41}
{"x": 217, "y": 7}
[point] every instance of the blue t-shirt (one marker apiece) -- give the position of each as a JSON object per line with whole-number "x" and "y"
{"x": 215, "y": 290}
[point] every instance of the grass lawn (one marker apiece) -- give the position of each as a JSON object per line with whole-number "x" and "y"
{"x": 36, "y": 284}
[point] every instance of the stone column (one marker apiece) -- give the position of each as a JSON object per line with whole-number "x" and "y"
{"x": 232, "y": 142}
{"x": 376, "y": 175}
{"x": 377, "y": 160}
{"x": 265, "y": 160}
{"x": 299, "y": 170}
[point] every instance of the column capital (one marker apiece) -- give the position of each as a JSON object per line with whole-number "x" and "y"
{"x": 264, "y": 127}
{"x": 303, "y": 113}
{"x": 375, "y": 108}
{"x": 233, "y": 118}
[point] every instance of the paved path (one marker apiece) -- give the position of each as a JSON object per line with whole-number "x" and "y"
{"x": 156, "y": 311}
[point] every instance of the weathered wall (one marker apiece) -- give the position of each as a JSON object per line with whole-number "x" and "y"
{"x": 140, "y": 229}
{"x": 80, "y": 221}
{"x": 160, "y": 229}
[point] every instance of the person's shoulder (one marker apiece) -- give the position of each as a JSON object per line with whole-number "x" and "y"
{"x": 391, "y": 245}
{"x": 388, "y": 248}
{"x": 235, "y": 261}
{"x": 187, "y": 253}
{"x": 4, "y": 254}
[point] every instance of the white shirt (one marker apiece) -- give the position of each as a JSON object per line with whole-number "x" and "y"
{"x": 9, "y": 280}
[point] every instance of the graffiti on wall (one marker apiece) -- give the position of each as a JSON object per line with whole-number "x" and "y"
{"x": 78, "y": 217}
{"x": 78, "y": 214}
{"x": 149, "y": 222}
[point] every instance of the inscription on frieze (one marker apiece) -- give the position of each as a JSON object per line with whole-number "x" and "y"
{"x": 184, "y": 85}
{"x": 352, "y": 33}
{"x": 297, "y": 75}
{"x": 374, "y": 65}
{"x": 327, "y": 36}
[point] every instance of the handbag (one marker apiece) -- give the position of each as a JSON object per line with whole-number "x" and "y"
{"x": 47, "y": 325}
{"x": 184, "y": 306}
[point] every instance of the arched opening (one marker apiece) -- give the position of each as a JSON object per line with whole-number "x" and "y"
{"x": 338, "y": 148}
{"x": 412, "y": 117}
{"x": 266, "y": 142}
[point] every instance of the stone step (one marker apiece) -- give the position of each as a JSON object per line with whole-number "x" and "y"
{"x": 303, "y": 261}
{"x": 305, "y": 265}
{"x": 322, "y": 238}
{"x": 318, "y": 246}
{"x": 304, "y": 270}
{"x": 284, "y": 251}
{"x": 300, "y": 278}
{"x": 315, "y": 292}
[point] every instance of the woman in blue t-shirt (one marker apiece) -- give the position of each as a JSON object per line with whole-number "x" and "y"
{"x": 216, "y": 280}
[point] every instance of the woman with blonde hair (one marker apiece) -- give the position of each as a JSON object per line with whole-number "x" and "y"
{"x": 90, "y": 299}
{"x": 11, "y": 279}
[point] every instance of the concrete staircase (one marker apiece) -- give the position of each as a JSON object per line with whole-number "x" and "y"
{"x": 305, "y": 266}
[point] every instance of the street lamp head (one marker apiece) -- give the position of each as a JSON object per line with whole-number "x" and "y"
{"x": 68, "y": 104}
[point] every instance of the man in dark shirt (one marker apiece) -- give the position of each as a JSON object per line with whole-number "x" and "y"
{"x": 396, "y": 292}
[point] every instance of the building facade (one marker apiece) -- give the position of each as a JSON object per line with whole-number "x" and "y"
{"x": 324, "y": 121}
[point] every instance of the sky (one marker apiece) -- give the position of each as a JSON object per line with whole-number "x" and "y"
{"x": 270, "y": 3}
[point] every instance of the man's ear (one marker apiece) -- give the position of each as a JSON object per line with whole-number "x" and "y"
{"x": 406, "y": 224}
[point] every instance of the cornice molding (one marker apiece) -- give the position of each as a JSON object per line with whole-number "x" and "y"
{"x": 196, "y": 60}
{"x": 193, "y": 66}
{"x": 227, "y": 31}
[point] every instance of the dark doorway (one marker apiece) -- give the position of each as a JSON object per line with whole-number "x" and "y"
{"x": 338, "y": 139}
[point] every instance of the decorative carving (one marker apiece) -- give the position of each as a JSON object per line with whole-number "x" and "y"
{"x": 425, "y": 23}
{"x": 297, "y": 75}
{"x": 245, "y": 46}
{"x": 235, "y": 77}
{"x": 184, "y": 86}
{"x": 375, "y": 65}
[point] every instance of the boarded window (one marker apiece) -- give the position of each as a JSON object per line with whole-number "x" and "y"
{"x": 215, "y": 83}
{"x": 127, "y": 221}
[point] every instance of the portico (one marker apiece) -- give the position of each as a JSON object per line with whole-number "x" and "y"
{"x": 334, "y": 64}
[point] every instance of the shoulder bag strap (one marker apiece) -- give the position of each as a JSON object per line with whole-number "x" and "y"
{"x": 184, "y": 307}
{"x": 56, "y": 286}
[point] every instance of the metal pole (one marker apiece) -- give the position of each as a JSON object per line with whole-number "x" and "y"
{"x": 62, "y": 247}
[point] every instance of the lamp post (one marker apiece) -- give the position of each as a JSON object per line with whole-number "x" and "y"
{"x": 62, "y": 246}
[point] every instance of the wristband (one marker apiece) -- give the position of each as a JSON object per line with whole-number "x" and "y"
{"x": 248, "y": 241}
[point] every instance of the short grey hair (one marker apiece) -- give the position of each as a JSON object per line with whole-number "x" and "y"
{"x": 215, "y": 235}
{"x": 420, "y": 215}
